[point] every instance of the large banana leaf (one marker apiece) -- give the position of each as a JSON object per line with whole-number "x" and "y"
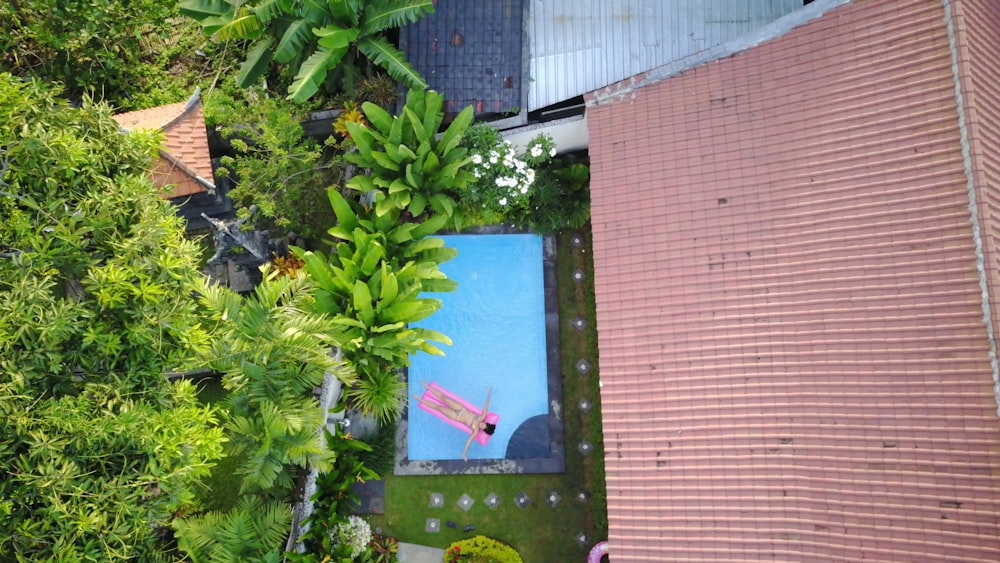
{"x": 258, "y": 60}
{"x": 268, "y": 10}
{"x": 202, "y": 9}
{"x": 335, "y": 37}
{"x": 244, "y": 25}
{"x": 382, "y": 53}
{"x": 346, "y": 11}
{"x": 384, "y": 14}
{"x": 312, "y": 73}
{"x": 293, "y": 41}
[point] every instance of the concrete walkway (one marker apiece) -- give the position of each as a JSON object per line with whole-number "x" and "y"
{"x": 413, "y": 553}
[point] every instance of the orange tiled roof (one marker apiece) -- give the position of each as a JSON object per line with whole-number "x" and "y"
{"x": 790, "y": 294}
{"x": 185, "y": 156}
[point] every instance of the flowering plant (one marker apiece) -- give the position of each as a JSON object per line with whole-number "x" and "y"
{"x": 453, "y": 554}
{"x": 384, "y": 548}
{"x": 355, "y": 533}
{"x": 503, "y": 177}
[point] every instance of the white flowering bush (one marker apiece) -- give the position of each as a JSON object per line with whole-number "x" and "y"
{"x": 503, "y": 178}
{"x": 355, "y": 534}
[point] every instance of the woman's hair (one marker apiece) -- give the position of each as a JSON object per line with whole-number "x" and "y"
{"x": 489, "y": 428}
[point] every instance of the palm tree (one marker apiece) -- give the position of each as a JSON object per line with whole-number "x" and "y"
{"x": 272, "y": 354}
{"x": 325, "y": 30}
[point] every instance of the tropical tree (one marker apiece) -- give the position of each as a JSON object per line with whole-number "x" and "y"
{"x": 272, "y": 354}
{"x": 410, "y": 167}
{"x": 277, "y": 168}
{"x": 118, "y": 51}
{"x": 311, "y": 36}
{"x": 370, "y": 286}
{"x": 99, "y": 449}
{"x": 253, "y": 530}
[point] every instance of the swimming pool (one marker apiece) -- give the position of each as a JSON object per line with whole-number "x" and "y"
{"x": 496, "y": 320}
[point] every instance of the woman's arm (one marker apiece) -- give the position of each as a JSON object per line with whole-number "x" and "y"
{"x": 486, "y": 406}
{"x": 469, "y": 443}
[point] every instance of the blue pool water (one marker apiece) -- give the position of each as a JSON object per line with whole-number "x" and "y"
{"x": 496, "y": 320}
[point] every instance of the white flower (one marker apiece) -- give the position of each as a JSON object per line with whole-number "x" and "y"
{"x": 506, "y": 143}
{"x": 477, "y": 174}
{"x": 477, "y": 159}
{"x": 501, "y": 181}
{"x": 536, "y": 151}
{"x": 494, "y": 155}
{"x": 530, "y": 176}
{"x": 524, "y": 189}
{"x": 503, "y": 201}
{"x": 552, "y": 151}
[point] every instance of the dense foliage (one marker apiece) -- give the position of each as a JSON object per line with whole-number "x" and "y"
{"x": 274, "y": 165}
{"x": 131, "y": 53}
{"x": 313, "y": 38}
{"x": 272, "y": 354}
{"x": 99, "y": 449}
{"x": 531, "y": 189}
{"x": 371, "y": 286}
{"x": 332, "y": 534}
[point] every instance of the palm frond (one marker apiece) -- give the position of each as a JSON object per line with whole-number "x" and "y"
{"x": 384, "y": 14}
{"x": 382, "y": 53}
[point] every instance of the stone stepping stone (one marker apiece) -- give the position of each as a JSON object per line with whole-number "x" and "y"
{"x": 554, "y": 498}
{"x": 522, "y": 499}
{"x": 437, "y": 500}
{"x": 466, "y": 502}
{"x": 433, "y": 525}
{"x": 492, "y": 501}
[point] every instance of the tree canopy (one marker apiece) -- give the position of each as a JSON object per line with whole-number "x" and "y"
{"x": 100, "y": 450}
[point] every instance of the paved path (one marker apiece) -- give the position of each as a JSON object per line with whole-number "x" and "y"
{"x": 413, "y": 553}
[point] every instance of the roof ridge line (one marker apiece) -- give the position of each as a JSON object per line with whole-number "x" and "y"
{"x": 766, "y": 32}
{"x": 970, "y": 188}
{"x": 193, "y": 103}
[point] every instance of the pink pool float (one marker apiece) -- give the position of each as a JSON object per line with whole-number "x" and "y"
{"x": 491, "y": 418}
{"x": 597, "y": 552}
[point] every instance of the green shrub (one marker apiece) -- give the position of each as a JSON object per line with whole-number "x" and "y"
{"x": 412, "y": 169}
{"x": 481, "y": 549}
{"x": 382, "y": 458}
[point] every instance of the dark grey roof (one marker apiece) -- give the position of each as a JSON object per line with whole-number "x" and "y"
{"x": 472, "y": 52}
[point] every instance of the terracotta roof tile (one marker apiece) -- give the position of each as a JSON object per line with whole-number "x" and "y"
{"x": 184, "y": 139}
{"x": 790, "y": 319}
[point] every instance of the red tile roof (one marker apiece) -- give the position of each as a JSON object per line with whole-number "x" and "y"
{"x": 793, "y": 351}
{"x": 185, "y": 157}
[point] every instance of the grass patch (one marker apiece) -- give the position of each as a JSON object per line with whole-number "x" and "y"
{"x": 538, "y": 532}
{"x": 222, "y": 486}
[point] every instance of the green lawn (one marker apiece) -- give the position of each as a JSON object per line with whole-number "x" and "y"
{"x": 539, "y": 532}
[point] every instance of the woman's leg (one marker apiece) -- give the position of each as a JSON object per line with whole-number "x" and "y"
{"x": 449, "y": 413}
{"x": 455, "y": 405}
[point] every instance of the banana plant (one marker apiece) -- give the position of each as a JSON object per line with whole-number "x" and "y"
{"x": 411, "y": 168}
{"x": 312, "y": 36}
{"x": 371, "y": 284}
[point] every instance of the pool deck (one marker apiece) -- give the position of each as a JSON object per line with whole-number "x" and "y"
{"x": 534, "y": 450}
